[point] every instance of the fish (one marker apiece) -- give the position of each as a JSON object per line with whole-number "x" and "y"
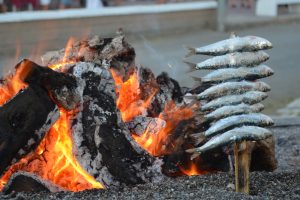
{"x": 225, "y": 124}
{"x": 248, "y": 133}
{"x": 231, "y": 60}
{"x": 247, "y": 43}
{"x": 236, "y": 74}
{"x": 230, "y": 110}
{"x": 229, "y": 88}
{"x": 251, "y": 97}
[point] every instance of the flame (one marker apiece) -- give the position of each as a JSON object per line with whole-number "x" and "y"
{"x": 129, "y": 101}
{"x": 131, "y": 105}
{"x": 155, "y": 143}
{"x": 11, "y": 85}
{"x": 190, "y": 168}
{"x": 53, "y": 159}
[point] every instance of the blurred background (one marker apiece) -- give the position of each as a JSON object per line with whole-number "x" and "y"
{"x": 160, "y": 30}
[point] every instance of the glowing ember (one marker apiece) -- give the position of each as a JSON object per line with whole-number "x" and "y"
{"x": 53, "y": 159}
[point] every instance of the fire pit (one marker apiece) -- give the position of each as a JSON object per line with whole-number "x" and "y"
{"x": 90, "y": 119}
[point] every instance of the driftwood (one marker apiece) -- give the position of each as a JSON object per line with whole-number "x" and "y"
{"x": 24, "y": 120}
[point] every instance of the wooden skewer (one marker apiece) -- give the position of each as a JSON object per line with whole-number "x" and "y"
{"x": 242, "y": 157}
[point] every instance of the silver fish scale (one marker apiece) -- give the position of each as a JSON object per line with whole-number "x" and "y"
{"x": 251, "y": 97}
{"x": 236, "y": 59}
{"x": 224, "y": 124}
{"x": 230, "y": 110}
{"x": 229, "y": 88}
{"x": 235, "y": 135}
{"x": 247, "y": 43}
{"x": 242, "y": 73}
{"x": 232, "y": 102}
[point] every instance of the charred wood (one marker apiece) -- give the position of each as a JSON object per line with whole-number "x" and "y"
{"x": 61, "y": 86}
{"x": 104, "y": 146}
{"x": 24, "y": 120}
{"x": 28, "y": 182}
{"x": 140, "y": 125}
{"x": 110, "y": 52}
{"x": 168, "y": 90}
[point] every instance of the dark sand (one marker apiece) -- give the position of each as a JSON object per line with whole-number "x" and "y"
{"x": 284, "y": 183}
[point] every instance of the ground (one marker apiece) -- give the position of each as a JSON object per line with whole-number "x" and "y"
{"x": 166, "y": 53}
{"x": 284, "y": 183}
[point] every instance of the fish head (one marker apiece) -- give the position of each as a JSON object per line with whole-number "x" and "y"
{"x": 268, "y": 71}
{"x": 261, "y": 86}
{"x": 261, "y": 43}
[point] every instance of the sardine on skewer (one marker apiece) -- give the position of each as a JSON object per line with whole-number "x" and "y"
{"x": 252, "y": 133}
{"x": 247, "y": 43}
{"x": 253, "y": 119}
{"x": 229, "y": 88}
{"x": 237, "y": 74}
{"x": 251, "y": 97}
{"x": 227, "y": 111}
{"x": 232, "y": 60}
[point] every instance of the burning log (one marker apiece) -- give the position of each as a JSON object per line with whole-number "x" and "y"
{"x": 61, "y": 86}
{"x": 24, "y": 120}
{"x": 111, "y": 52}
{"x": 28, "y": 182}
{"x": 103, "y": 144}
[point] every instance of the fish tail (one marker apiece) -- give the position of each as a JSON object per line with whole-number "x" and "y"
{"x": 190, "y": 97}
{"x": 194, "y": 152}
{"x": 192, "y": 66}
{"x": 197, "y": 138}
{"x": 197, "y": 79}
{"x": 191, "y": 51}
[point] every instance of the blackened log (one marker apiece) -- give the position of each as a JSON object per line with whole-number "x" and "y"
{"x": 28, "y": 182}
{"x": 24, "y": 120}
{"x": 61, "y": 86}
{"x": 103, "y": 145}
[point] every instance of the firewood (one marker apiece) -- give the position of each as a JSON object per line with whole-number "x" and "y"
{"x": 28, "y": 182}
{"x": 61, "y": 86}
{"x": 24, "y": 120}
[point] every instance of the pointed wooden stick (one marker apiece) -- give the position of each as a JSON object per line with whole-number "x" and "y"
{"x": 242, "y": 164}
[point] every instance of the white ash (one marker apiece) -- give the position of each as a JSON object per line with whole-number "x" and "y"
{"x": 93, "y": 166}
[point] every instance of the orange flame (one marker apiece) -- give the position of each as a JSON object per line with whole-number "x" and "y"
{"x": 129, "y": 101}
{"x": 155, "y": 143}
{"x": 131, "y": 105}
{"x": 53, "y": 159}
{"x": 190, "y": 168}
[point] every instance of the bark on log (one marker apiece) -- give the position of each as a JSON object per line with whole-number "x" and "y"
{"x": 24, "y": 120}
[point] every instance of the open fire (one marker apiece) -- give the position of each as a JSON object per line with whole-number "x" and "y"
{"x": 54, "y": 158}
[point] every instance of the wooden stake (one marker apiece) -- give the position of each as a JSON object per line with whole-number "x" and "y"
{"x": 242, "y": 165}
